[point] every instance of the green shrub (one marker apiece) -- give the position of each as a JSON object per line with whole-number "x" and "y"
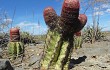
{"x": 90, "y": 34}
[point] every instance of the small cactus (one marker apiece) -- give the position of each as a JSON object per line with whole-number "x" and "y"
{"x": 77, "y": 40}
{"x": 15, "y": 47}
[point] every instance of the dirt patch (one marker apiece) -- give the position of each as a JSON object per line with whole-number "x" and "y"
{"x": 97, "y": 57}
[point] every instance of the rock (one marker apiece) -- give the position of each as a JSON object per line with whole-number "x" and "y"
{"x": 1, "y": 52}
{"x": 5, "y": 65}
{"x": 18, "y": 68}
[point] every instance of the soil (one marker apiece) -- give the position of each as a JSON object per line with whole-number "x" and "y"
{"x": 94, "y": 56}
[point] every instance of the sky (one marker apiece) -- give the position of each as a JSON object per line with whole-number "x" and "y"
{"x": 29, "y": 14}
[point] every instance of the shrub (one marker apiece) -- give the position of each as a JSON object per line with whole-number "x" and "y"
{"x": 91, "y": 35}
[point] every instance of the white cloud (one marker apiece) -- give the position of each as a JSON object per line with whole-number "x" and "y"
{"x": 26, "y": 23}
{"x": 32, "y": 28}
{"x": 105, "y": 6}
{"x": 108, "y": 21}
{"x": 99, "y": 13}
{"x": 108, "y": 10}
{"x": 89, "y": 15}
{"x": 8, "y": 20}
{"x": 96, "y": 8}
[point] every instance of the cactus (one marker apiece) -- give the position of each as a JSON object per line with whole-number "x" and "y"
{"x": 12, "y": 49}
{"x": 15, "y": 49}
{"x": 60, "y": 36}
{"x": 77, "y": 40}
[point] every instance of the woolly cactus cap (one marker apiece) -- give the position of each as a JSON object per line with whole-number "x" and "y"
{"x": 14, "y": 30}
{"x": 50, "y": 16}
{"x": 71, "y": 4}
{"x": 48, "y": 10}
{"x": 70, "y": 11}
{"x": 14, "y": 34}
{"x": 82, "y": 18}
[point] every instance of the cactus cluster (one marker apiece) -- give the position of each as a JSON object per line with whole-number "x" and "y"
{"x": 60, "y": 36}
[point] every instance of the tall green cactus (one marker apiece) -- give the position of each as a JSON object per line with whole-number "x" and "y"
{"x": 60, "y": 36}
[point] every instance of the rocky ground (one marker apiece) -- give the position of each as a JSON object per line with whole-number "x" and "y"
{"x": 90, "y": 57}
{"x": 31, "y": 59}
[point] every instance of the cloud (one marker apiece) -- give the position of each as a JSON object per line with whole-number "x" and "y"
{"x": 26, "y": 23}
{"x": 96, "y": 8}
{"x": 108, "y": 10}
{"x": 99, "y": 13}
{"x": 32, "y": 28}
{"x": 105, "y": 6}
{"x": 89, "y": 15}
{"x": 108, "y": 21}
{"x": 9, "y": 20}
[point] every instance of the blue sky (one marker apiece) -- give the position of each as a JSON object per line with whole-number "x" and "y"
{"x": 27, "y": 22}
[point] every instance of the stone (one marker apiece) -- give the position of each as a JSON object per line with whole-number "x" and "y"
{"x": 5, "y": 64}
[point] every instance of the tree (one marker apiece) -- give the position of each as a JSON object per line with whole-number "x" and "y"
{"x": 5, "y": 20}
{"x": 95, "y": 6}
